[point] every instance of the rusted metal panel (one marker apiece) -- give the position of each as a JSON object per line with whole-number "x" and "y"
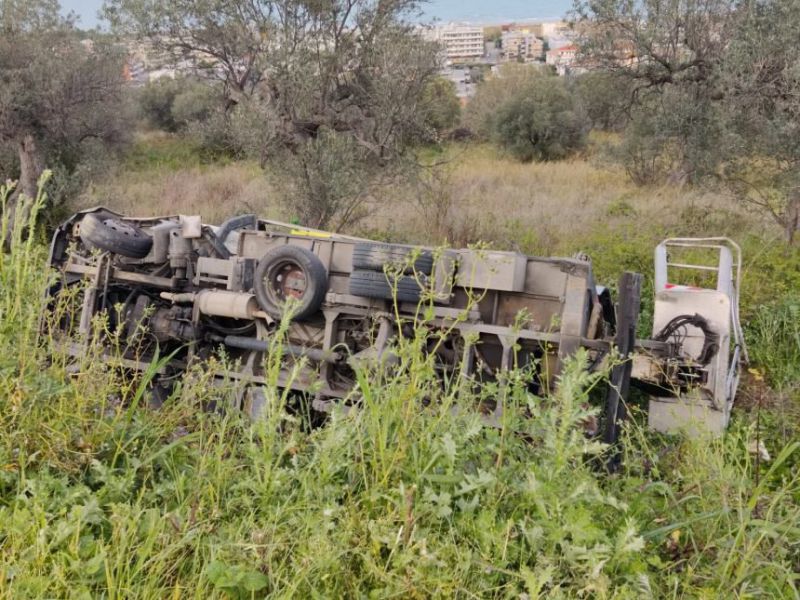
{"x": 484, "y": 269}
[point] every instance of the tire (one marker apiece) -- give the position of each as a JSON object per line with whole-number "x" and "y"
{"x": 371, "y": 284}
{"x": 372, "y": 257}
{"x": 290, "y": 271}
{"x": 110, "y": 233}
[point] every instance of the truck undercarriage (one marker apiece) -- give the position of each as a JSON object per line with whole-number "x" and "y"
{"x": 173, "y": 286}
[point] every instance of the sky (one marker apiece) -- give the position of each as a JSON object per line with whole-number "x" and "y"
{"x": 484, "y": 11}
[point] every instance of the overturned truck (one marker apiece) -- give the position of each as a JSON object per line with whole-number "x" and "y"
{"x": 174, "y": 286}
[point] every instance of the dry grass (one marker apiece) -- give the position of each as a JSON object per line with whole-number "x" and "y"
{"x": 482, "y": 196}
{"x": 216, "y": 192}
{"x": 164, "y": 174}
{"x": 476, "y": 195}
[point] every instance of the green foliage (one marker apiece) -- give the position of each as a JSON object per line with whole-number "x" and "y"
{"x": 604, "y": 98}
{"x": 245, "y": 130}
{"x": 236, "y": 581}
{"x": 196, "y": 102}
{"x": 675, "y": 136}
{"x": 492, "y": 93}
{"x": 170, "y": 153}
{"x": 408, "y": 494}
{"x": 171, "y": 104}
{"x": 529, "y": 113}
{"x": 763, "y": 107}
{"x": 540, "y": 123}
{"x": 9, "y": 162}
{"x": 774, "y": 336}
{"x": 62, "y": 103}
{"x": 440, "y": 105}
{"x": 771, "y": 273}
{"x": 325, "y": 184}
{"x": 155, "y": 102}
{"x": 294, "y": 70}
{"x": 721, "y": 105}
{"x": 621, "y": 207}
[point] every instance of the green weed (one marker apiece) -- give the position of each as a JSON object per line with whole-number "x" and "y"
{"x": 407, "y": 494}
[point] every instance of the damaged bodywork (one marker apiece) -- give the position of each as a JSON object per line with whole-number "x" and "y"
{"x": 176, "y": 286}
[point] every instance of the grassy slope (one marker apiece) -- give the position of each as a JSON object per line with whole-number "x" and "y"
{"x": 478, "y": 195}
{"x": 164, "y": 175}
{"x": 100, "y": 497}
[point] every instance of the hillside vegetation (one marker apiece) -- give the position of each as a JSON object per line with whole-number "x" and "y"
{"x": 409, "y": 495}
{"x": 101, "y": 496}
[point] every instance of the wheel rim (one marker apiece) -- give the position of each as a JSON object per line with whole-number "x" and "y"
{"x": 286, "y": 280}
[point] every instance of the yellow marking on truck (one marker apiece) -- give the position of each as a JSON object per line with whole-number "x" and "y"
{"x": 317, "y": 234}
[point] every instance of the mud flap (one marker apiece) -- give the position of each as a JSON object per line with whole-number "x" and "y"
{"x": 628, "y": 307}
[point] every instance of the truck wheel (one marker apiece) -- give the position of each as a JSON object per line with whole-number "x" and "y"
{"x": 372, "y": 257}
{"x": 110, "y": 233}
{"x": 372, "y": 284}
{"x": 290, "y": 272}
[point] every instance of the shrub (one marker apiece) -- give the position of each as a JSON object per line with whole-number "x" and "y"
{"x": 541, "y": 122}
{"x": 441, "y": 107}
{"x": 326, "y": 182}
{"x": 492, "y": 93}
{"x": 673, "y": 137}
{"x": 195, "y": 102}
{"x": 172, "y": 104}
{"x": 155, "y": 102}
{"x": 529, "y": 112}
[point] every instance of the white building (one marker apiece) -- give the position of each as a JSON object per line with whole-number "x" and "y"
{"x": 562, "y": 58}
{"x": 550, "y": 30}
{"x": 458, "y": 41}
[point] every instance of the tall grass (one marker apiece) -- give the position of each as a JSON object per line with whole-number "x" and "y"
{"x": 775, "y": 333}
{"x": 409, "y": 495}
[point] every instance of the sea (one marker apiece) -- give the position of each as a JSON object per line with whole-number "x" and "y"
{"x": 482, "y": 12}
{"x": 496, "y": 11}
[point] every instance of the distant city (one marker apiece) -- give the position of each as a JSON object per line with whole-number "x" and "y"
{"x": 468, "y": 53}
{"x": 470, "y": 50}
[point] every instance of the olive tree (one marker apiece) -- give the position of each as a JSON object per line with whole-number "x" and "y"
{"x": 58, "y": 96}
{"x": 529, "y": 112}
{"x": 604, "y": 99}
{"x": 440, "y": 107}
{"x": 354, "y": 69}
{"x": 492, "y": 93}
{"x": 713, "y": 92}
{"x": 541, "y": 123}
{"x": 762, "y": 99}
{"x": 667, "y": 55}
{"x": 171, "y": 104}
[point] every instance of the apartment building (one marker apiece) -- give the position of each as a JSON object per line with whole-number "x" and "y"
{"x": 459, "y": 41}
{"x": 521, "y": 46}
{"x": 552, "y": 29}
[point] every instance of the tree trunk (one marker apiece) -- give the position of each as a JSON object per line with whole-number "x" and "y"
{"x": 30, "y": 169}
{"x": 792, "y": 219}
{"x": 30, "y": 166}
